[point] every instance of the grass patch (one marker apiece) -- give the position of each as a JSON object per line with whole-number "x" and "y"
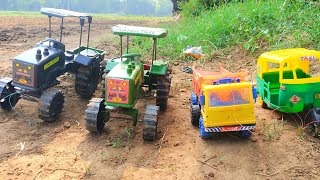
{"x": 256, "y": 25}
{"x": 19, "y": 13}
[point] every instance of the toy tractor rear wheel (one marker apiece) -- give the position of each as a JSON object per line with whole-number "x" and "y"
{"x": 8, "y": 96}
{"x": 163, "y": 90}
{"x": 51, "y": 105}
{"x": 195, "y": 114}
{"x": 103, "y": 85}
{"x": 96, "y": 115}
{"x": 87, "y": 78}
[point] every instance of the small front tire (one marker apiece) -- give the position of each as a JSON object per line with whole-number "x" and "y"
{"x": 51, "y": 105}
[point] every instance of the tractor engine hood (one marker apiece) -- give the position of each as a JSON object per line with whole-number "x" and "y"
{"x": 123, "y": 84}
{"x": 31, "y": 69}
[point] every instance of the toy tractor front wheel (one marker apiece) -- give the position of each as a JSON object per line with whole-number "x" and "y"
{"x": 96, "y": 115}
{"x": 163, "y": 90}
{"x": 87, "y": 78}
{"x": 150, "y": 123}
{"x": 51, "y": 105}
{"x": 8, "y": 96}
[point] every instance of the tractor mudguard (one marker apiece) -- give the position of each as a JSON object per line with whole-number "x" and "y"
{"x": 84, "y": 60}
{"x": 159, "y": 67}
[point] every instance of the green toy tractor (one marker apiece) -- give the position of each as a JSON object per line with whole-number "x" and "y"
{"x": 35, "y": 71}
{"x": 123, "y": 81}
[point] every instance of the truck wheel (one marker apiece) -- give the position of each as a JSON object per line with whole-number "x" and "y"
{"x": 245, "y": 134}
{"x": 87, "y": 78}
{"x": 203, "y": 133}
{"x": 96, "y": 115}
{"x": 150, "y": 123}
{"x": 8, "y": 96}
{"x": 195, "y": 114}
{"x": 50, "y": 105}
{"x": 163, "y": 90}
{"x": 262, "y": 103}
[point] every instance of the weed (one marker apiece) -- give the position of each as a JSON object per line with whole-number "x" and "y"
{"x": 87, "y": 170}
{"x": 103, "y": 155}
{"x": 117, "y": 143}
{"x": 128, "y": 131}
{"x": 274, "y": 129}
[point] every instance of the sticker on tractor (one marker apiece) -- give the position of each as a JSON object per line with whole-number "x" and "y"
{"x": 310, "y": 58}
{"x": 295, "y": 99}
{"x": 138, "y": 78}
{"x": 49, "y": 64}
{"x": 118, "y": 91}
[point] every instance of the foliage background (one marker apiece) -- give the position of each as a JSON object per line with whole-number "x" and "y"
{"x": 121, "y": 7}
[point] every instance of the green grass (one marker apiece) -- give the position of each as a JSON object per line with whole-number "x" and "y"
{"x": 256, "y": 25}
{"x": 19, "y": 13}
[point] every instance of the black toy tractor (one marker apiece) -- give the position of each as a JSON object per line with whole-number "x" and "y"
{"x": 124, "y": 80}
{"x": 35, "y": 71}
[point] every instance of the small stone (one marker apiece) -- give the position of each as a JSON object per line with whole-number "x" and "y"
{"x": 183, "y": 90}
{"x": 254, "y": 139}
{"x": 211, "y": 174}
{"x": 67, "y": 124}
{"x": 29, "y": 164}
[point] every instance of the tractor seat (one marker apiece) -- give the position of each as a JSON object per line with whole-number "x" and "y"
{"x": 69, "y": 56}
{"x": 89, "y": 53}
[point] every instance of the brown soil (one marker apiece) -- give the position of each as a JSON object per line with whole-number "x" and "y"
{"x": 277, "y": 150}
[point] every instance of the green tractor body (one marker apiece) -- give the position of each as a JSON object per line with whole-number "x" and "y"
{"x": 124, "y": 80}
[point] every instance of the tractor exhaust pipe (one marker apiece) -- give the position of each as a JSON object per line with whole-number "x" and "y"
{"x": 81, "y": 30}
{"x": 89, "y": 29}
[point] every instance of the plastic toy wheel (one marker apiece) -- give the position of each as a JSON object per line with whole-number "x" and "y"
{"x": 8, "y": 97}
{"x": 193, "y": 99}
{"x": 262, "y": 103}
{"x": 195, "y": 114}
{"x": 50, "y": 105}
{"x": 96, "y": 115}
{"x": 87, "y": 78}
{"x": 245, "y": 134}
{"x": 150, "y": 123}
{"x": 103, "y": 85}
{"x": 203, "y": 133}
{"x": 163, "y": 90}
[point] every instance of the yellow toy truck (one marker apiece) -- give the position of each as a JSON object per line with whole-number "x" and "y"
{"x": 222, "y": 102}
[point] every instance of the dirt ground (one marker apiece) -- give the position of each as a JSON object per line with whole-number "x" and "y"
{"x": 31, "y": 149}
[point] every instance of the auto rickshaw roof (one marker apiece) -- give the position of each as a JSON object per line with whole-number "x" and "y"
{"x": 280, "y": 56}
{"x": 124, "y": 30}
{"x": 61, "y": 13}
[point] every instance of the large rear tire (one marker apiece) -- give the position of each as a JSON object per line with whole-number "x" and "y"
{"x": 163, "y": 90}
{"x": 87, "y": 78}
{"x": 51, "y": 105}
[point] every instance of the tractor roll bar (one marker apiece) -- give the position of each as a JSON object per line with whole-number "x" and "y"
{"x": 62, "y": 13}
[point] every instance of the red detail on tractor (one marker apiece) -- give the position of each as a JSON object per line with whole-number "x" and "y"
{"x": 295, "y": 99}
